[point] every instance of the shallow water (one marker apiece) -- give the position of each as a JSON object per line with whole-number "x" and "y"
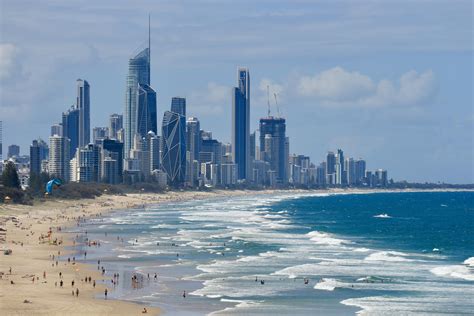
{"x": 383, "y": 253}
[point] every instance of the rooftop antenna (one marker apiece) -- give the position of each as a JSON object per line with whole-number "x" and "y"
{"x": 276, "y": 103}
{"x": 268, "y": 100}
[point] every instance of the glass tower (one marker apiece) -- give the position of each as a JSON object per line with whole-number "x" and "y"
{"x": 174, "y": 147}
{"x": 83, "y": 105}
{"x": 146, "y": 110}
{"x": 138, "y": 74}
{"x": 178, "y": 105}
{"x": 241, "y": 124}
{"x": 273, "y": 145}
{"x": 70, "y": 126}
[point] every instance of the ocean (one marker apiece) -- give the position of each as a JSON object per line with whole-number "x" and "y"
{"x": 306, "y": 254}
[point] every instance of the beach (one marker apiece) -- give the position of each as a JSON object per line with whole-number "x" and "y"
{"x": 22, "y": 226}
{"x": 42, "y": 239}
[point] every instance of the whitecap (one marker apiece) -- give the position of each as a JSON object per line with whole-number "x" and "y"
{"x": 325, "y": 239}
{"x": 454, "y": 271}
{"x": 328, "y": 284}
{"x": 469, "y": 262}
{"x": 394, "y": 256}
{"x": 384, "y": 215}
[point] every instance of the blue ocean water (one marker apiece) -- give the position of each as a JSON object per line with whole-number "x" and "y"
{"x": 327, "y": 254}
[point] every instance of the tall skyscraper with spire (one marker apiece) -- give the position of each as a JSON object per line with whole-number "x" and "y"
{"x": 241, "y": 124}
{"x": 140, "y": 99}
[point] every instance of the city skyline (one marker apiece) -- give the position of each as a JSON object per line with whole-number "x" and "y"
{"x": 414, "y": 123}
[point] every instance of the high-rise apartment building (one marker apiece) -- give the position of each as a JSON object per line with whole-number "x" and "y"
{"x": 13, "y": 150}
{"x": 59, "y": 157}
{"x": 273, "y": 146}
{"x": 35, "y": 158}
{"x": 360, "y": 171}
{"x": 70, "y": 129}
{"x": 174, "y": 147}
{"x": 113, "y": 149}
{"x": 115, "y": 124}
{"x": 56, "y": 129}
{"x": 341, "y": 176}
{"x": 178, "y": 105}
{"x": 83, "y": 105}
{"x": 99, "y": 133}
{"x": 88, "y": 163}
{"x": 146, "y": 110}
{"x": 193, "y": 136}
{"x": 241, "y": 124}
{"x": 138, "y": 74}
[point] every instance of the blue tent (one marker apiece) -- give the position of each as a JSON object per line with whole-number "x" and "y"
{"x": 53, "y": 183}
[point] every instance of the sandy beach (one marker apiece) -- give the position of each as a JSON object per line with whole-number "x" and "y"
{"x": 34, "y": 235}
{"x": 39, "y": 261}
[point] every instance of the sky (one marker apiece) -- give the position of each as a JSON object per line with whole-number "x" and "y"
{"x": 387, "y": 81}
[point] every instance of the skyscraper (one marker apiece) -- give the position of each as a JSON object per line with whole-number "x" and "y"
{"x": 59, "y": 157}
{"x": 138, "y": 74}
{"x": 253, "y": 145}
{"x": 70, "y": 129}
{"x": 178, "y": 105}
{"x": 193, "y": 136}
{"x": 331, "y": 168}
{"x": 350, "y": 168}
{"x": 360, "y": 171}
{"x": 88, "y": 163}
{"x": 174, "y": 147}
{"x": 340, "y": 161}
{"x": 83, "y": 105}
{"x": 13, "y": 150}
{"x": 273, "y": 146}
{"x": 99, "y": 133}
{"x": 146, "y": 110}
{"x": 114, "y": 149}
{"x": 115, "y": 124}
{"x": 56, "y": 129}
{"x": 241, "y": 124}
{"x": 35, "y": 159}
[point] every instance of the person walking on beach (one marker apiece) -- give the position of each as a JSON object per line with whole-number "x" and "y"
{"x": 77, "y": 292}
{"x": 61, "y": 283}
{"x": 93, "y": 284}
{"x": 184, "y": 294}
{"x": 72, "y": 283}
{"x": 105, "y": 293}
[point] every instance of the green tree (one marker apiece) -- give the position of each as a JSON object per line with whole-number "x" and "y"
{"x": 10, "y": 176}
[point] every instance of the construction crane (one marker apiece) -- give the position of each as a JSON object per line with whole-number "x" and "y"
{"x": 268, "y": 100}
{"x": 276, "y": 103}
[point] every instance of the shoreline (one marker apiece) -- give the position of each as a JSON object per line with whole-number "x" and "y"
{"x": 24, "y": 224}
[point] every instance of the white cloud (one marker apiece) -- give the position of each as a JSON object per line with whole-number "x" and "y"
{"x": 8, "y": 60}
{"x": 336, "y": 84}
{"x": 211, "y": 100}
{"x": 338, "y": 87}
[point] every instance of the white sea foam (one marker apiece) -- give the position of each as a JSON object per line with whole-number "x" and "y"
{"x": 469, "y": 262}
{"x": 328, "y": 284}
{"x": 325, "y": 239}
{"x": 384, "y": 215}
{"x": 454, "y": 271}
{"x": 393, "y": 256}
{"x": 361, "y": 249}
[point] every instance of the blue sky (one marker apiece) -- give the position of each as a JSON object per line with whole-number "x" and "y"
{"x": 389, "y": 81}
